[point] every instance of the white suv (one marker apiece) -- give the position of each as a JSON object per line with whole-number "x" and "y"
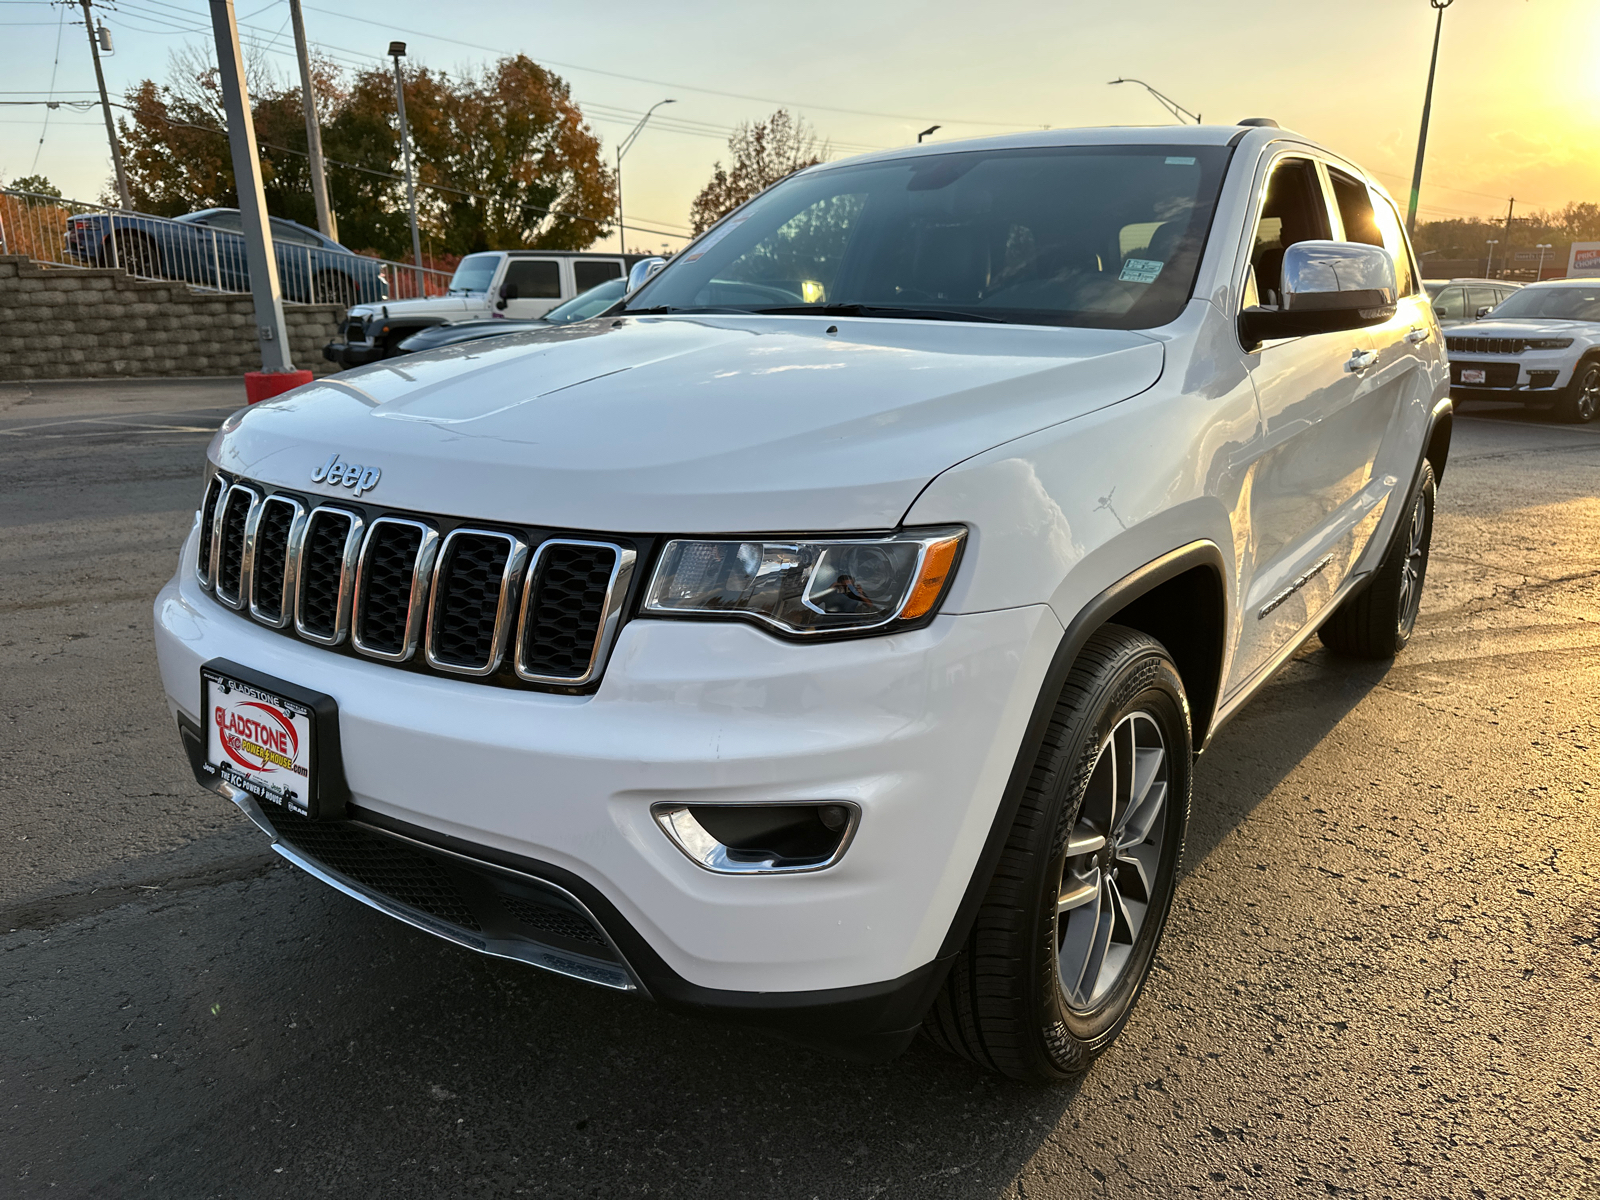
{"x": 824, "y": 636}
{"x": 1540, "y": 347}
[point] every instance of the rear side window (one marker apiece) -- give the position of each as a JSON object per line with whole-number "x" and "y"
{"x": 1451, "y": 304}
{"x": 1394, "y": 240}
{"x": 1355, "y": 209}
{"x": 1293, "y": 211}
{"x": 533, "y": 279}
{"x": 586, "y": 275}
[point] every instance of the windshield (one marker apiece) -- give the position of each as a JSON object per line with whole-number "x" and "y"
{"x": 1106, "y": 236}
{"x": 1561, "y": 303}
{"x": 588, "y": 304}
{"x": 474, "y": 273}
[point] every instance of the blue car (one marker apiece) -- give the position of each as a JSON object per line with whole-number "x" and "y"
{"x": 207, "y": 249}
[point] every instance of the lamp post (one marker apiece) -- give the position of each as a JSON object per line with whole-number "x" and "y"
{"x": 1171, "y": 105}
{"x": 1427, "y": 107}
{"x": 1541, "y": 247}
{"x": 1488, "y": 271}
{"x": 397, "y": 51}
{"x": 622, "y": 148}
{"x": 928, "y": 132}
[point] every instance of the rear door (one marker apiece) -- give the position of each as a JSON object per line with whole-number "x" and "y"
{"x": 592, "y": 272}
{"x": 530, "y": 287}
{"x": 1320, "y": 426}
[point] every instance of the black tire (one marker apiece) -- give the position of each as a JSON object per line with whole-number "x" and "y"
{"x": 1377, "y": 622}
{"x": 1580, "y": 399}
{"x": 1018, "y": 1000}
{"x": 333, "y": 287}
{"x": 137, "y": 256}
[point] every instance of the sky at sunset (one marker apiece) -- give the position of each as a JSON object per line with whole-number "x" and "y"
{"x": 1516, "y": 107}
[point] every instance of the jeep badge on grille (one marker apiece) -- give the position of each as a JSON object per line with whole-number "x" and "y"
{"x": 351, "y": 475}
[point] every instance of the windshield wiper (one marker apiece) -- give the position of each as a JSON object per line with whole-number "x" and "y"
{"x": 892, "y": 311}
{"x": 662, "y": 310}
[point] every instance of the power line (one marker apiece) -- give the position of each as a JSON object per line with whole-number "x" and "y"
{"x": 61, "y": 25}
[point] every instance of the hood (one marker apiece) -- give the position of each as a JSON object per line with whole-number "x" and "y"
{"x": 688, "y": 424}
{"x": 1525, "y": 327}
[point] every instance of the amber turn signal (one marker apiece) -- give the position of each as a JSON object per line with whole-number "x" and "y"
{"x": 937, "y": 563}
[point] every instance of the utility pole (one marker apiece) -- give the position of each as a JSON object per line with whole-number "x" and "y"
{"x": 326, "y": 224}
{"x": 1510, "y": 208}
{"x": 1427, "y": 107}
{"x": 397, "y": 51}
{"x": 622, "y": 148}
{"x": 258, "y": 255}
{"x": 105, "y": 107}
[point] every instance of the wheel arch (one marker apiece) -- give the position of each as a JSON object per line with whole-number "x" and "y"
{"x": 1437, "y": 448}
{"x": 1180, "y": 599}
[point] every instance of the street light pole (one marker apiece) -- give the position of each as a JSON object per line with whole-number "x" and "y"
{"x": 1541, "y": 247}
{"x": 397, "y": 51}
{"x": 1488, "y": 270}
{"x": 1427, "y": 108}
{"x": 622, "y": 148}
{"x": 319, "y": 178}
{"x": 1167, "y": 102}
{"x": 105, "y": 107}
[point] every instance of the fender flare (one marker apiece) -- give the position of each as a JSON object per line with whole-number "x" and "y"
{"x": 1203, "y": 553}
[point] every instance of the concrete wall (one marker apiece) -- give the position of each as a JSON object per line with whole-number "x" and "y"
{"x": 66, "y": 323}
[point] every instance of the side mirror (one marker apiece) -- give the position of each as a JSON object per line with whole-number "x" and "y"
{"x": 508, "y": 291}
{"x": 643, "y": 271}
{"x": 1327, "y": 287}
{"x": 1485, "y": 311}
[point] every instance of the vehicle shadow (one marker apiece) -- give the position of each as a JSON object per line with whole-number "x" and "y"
{"x": 378, "y": 1061}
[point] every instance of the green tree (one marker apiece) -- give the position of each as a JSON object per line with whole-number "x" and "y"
{"x": 38, "y": 185}
{"x": 762, "y": 153}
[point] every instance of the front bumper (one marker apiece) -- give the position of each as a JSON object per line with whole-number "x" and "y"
{"x": 919, "y": 729}
{"x": 1534, "y": 376}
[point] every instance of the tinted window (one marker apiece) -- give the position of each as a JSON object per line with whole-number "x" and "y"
{"x": 474, "y": 273}
{"x": 284, "y": 232}
{"x": 532, "y": 279}
{"x": 1562, "y": 303}
{"x": 1355, "y": 209}
{"x": 1049, "y": 235}
{"x": 1394, "y": 240}
{"x": 1481, "y": 298}
{"x": 1293, "y": 211}
{"x": 229, "y": 221}
{"x": 586, "y": 275}
{"x": 1451, "y": 304}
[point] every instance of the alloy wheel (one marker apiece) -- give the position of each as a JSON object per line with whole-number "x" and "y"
{"x": 1589, "y": 395}
{"x": 1416, "y": 562}
{"x": 1113, "y": 862}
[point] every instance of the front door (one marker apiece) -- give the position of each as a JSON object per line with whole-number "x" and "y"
{"x": 1320, "y": 429}
{"x": 530, "y": 287}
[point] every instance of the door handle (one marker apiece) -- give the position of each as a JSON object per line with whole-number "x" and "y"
{"x": 1420, "y": 334}
{"x": 1360, "y": 360}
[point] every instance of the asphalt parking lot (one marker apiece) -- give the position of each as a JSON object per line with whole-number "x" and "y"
{"x": 1382, "y": 975}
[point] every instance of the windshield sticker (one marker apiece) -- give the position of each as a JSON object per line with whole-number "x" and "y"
{"x": 715, "y": 236}
{"x": 1140, "y": 270}
{"x": 1176, "y": 161}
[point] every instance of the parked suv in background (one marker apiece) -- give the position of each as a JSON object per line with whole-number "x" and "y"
{"x": 497, "y": 283}
{"x": 1540, "y": 347}
{"x": 824, "y": 638}
{"x": 1458, "y": 300}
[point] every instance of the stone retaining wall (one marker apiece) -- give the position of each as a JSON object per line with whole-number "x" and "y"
{"x": 95, "y": 323}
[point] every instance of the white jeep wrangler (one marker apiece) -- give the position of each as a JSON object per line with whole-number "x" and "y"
{"x": 520, "y": 284}
{"x": 825, "y": 636}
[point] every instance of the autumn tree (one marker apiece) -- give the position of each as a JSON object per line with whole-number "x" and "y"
{"x": 762, "y": 153}
{"x": 503, "y": 158}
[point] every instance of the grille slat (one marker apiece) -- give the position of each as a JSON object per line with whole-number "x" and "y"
{"x": 208, "y": 517}
{"x": 571, "y": 593}
{"x": 270, "y": 559}
{"x": 322, "y": 606}
{"x": 1485, "y": 345}
{"x": 391, "y": 586}
{"x": 472, "y": 585}
{"x": 230, "y": 553}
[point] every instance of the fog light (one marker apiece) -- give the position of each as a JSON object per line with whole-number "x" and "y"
{"x": 760, "y": 839}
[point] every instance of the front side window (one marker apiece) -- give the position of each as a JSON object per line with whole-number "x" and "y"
{"x": 475, "y": 273}
{"x": 1557, "y": 303}
{"x": 1293, "y": 211}
{"x": 1394, "y": 240}
{"x": 1103, "y": 236}
{"x": 1451, "y": 304}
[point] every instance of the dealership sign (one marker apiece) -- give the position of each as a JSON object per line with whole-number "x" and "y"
{"x": 1585, "y": 259}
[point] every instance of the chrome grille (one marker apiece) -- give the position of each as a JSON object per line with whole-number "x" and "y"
{"x": 475, "y": 601}
{"x": 1485, "y": 345}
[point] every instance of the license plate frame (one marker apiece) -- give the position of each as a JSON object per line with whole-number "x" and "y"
{"x": 272, "y": 739}
{"x": 1474, "y": 375}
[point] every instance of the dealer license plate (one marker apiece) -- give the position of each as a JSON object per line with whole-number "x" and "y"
{"x": 1468, "y": 375}
{"x": 259, "y": 741}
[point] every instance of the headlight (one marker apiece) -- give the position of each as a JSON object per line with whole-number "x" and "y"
{"x": 810, "y": 587}
{"x": 1549, "y": 343}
